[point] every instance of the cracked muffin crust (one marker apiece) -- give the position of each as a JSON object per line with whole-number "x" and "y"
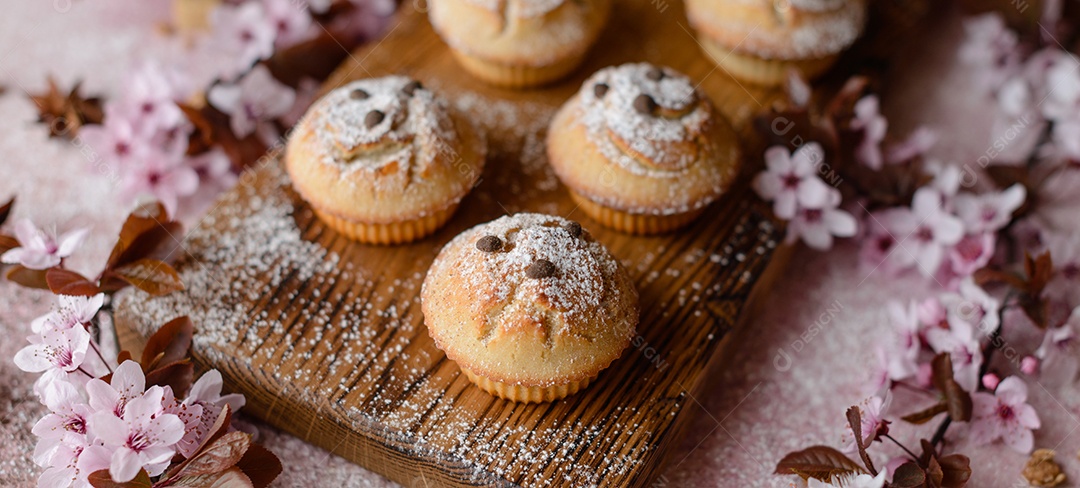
{"x": 642, "y": 150}
{"x": 384, "y": 160}
{"x": 529, "y": 306}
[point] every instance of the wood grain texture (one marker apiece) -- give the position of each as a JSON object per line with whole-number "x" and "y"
{"x": 326, "y": 337}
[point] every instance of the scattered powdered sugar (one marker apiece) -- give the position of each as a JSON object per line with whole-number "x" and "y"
{"x": 412, "y": 125}
{"x": 614, "y": 115}
{"x": 802, "y": 29}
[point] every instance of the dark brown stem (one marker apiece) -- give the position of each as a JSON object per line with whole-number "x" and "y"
{"x": 908, "y": 451}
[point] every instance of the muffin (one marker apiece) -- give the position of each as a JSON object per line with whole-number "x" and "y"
{"x": 519, "y": 43}
{"x": 759, "y": 40}
{"x": 529, "y": 306}
{"x": 642, "y": 150}
{"x": 384, "y": 161}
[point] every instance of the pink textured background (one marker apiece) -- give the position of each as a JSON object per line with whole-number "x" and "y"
{"x": 752, "y": 412}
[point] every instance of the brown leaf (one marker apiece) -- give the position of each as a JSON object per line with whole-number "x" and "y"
{"x": 177, "y": 375}
{"x": 169, "y": 344}
{"x": 925, "y": 415}
{"x": 958, "y": 401}
{"x": 230, "y": 478}
{"x": 5, "y": 210}
{"x": 909, "y": 475}
{"x": 140, "y": 221}
{"x": 821, "y": 462}
{"x": 854, "y": 418}
{"x": 152, "y": 276}
{"x": 8, "y": 243}
{"x": 30, "y": 278}
{"x": 219, "y": 429}
{"x": 956, "y": 470}
{"x": 160, "y": 242}
{"x": 66, "y": 282}
{"x": 941, "y": 370}
{"x": 66, "y": 113}
{"x": 934, "y": 473}
{"x": 1039, "y": 271}
{"x": 123, "y": 356}
{"x": 986, "y": 276}
{"x": 219, "y": 456}
{"x": 101, "y": 479}
{"x": 260, "y": 465}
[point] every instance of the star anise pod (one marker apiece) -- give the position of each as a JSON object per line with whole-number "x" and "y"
{"x": 66, "y": 113}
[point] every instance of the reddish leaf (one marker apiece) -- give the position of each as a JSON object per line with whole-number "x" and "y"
{"x": 821, "y": 462}
{"x": 1039, "y": 271}
{"x": 220, "y": 428}
{"x": 123, "y": 356}
{"x": 160, "y": 243}
{"x": 958, "y": 401}
{"x": 141, "y": 220}
{"x": 219, "y": 456}
{"x": 854, "y": 418}
{"x": 909, "y": 475}
{"x": 66, "y": 282}
{"x": 5, "y": 210}
{"x": 30, "y": 278}
{"x": 956, "y": 470}
{"x": 178, "y": 376}
{"x": 101, "y": 479}
{"x": 260, "y": 465}
{"x": 154, "y": 277}
{"x": 924, "y": 416}
{"x": 169, "y": 344}
{"x": 230, "y": 478}
{"x": 8, "y": 243}
{"x": 986, "y": 276}
{"x": 941, "y": 370}
{"x": 934, "y": 472}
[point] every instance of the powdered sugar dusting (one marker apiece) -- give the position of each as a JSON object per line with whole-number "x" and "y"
{"x": 520, "y": 8}
{"x": 413, "y": 125}
{"x": 614, "y": 115}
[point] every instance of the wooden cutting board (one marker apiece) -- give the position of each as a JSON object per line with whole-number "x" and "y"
{"x": 326, "y": 339}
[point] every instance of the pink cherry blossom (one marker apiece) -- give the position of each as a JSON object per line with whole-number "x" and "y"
{"x": 1064, "y": 285}
{"x": 60, "y": 349}
{"x": 1004, "y": 415}
{"x": 973, "y": 306}
{"x": 903, "y": 356}
{"x": 191, "y": 415}
{"x": 817, "y": 226}
{"x": 872, "y": 412}
{"x": 162, "y": 178}
{"x": 879, "y": 240}
{"x": 215, "y": 176}
{"x": 930, "y": 312}
{"x": 257, "y": 98}
{"x": 39, "y": 249}
{"x": 365, "y": 20}
{"x": 68, "y": 414}
{"x": 790, "y": 180}
{"x": 292, "y": 23}
{"x": 960, "y": 342}
{"x": 990, "y": 381}
{"x": 71, "y": 312}
{"x": 872, "y": 124}
{"x": 206, "y": 393}
{"x": 990, "y": 47}
{"x": 989, "y": 212}
{"x": 72, "y": 461}
{"x": 1029, "y": 365}
{"x": 1063, "y": 86}
{"x": 971, "y": 254}
{"x": 1060, "y": 353}
{"x": 143, "y": 437}
{"x": 928, "y": 231}
{"x": 917, "y": 143}
{"x": 149, "y": 97}
{"x": 117, "y": 142}
{"x": 127, "y": 382}
{"x": 244, "y": 32}
{"x": 849, "y": 481}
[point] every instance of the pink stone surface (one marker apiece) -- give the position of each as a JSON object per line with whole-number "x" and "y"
{"x": 750, "y": 414}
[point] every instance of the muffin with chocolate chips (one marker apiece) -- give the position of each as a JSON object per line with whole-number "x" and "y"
{"x": 642, "y": 150}
{"x": 384, "y": 160}
{"x": 529, "y": 306}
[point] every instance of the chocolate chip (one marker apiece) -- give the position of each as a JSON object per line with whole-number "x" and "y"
{"x": 359, "y": 94}
{"x": 489, "y": 244}
{"x": 574, "y": 229}
{"x": 600, "y": 89}
{"x": 645, "y": 104}
{"x": 542, "y": 268}
{"x": 411, "y": 88}
{"x": 655, "y": 74}
{"x": 373, "y": 118}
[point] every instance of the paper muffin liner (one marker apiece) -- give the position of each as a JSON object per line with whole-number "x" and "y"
{"x": 631, "y": 223}
{"x": 760, "y": 71}
{"x": 526, "y": 394}
{"x": 516, "y": 76}
{"x": 388, "y": 234}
